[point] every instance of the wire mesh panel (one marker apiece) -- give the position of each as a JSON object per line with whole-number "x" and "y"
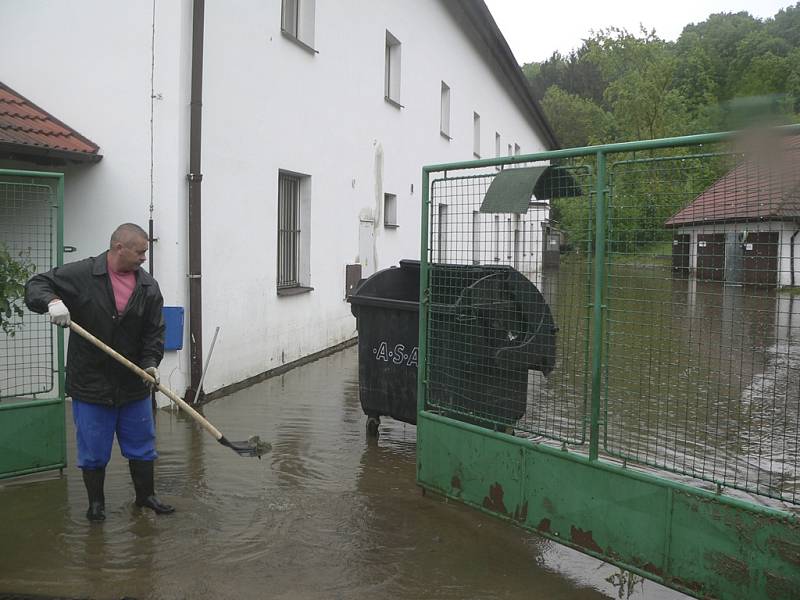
{"x": 27, "y": 237}
{"x": 509, "y": 319}
{"x": 702, "y": 375}
{"x": 675, "y": 320}
{"x": 636, "y": 303}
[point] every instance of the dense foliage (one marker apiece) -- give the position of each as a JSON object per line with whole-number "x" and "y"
{"x": 13, "y": 275}
{"x": 619, "y": 86}
{"x": 728, "y": 72}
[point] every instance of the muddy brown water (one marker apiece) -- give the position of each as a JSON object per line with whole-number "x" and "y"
{"x": 328, "y": 513}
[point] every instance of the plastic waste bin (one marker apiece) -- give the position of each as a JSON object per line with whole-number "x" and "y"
{"x": 386, "y": 307}
{"x": 488, "y": 325}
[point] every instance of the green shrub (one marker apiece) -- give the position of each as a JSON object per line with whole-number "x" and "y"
{"x": 13, "y": 275}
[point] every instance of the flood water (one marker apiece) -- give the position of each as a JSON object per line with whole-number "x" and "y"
{"x": 699, "y": 379}
{"x": 327, "y": 514}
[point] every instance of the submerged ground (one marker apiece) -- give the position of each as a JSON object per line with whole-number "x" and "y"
{"x": 327, "y": 514}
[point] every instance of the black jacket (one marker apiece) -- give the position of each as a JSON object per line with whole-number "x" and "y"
{"x": 137, "y": 333}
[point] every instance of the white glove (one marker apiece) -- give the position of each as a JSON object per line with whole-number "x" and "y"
{"x": 153, "y": 372}
{"x": 59, "y": 313}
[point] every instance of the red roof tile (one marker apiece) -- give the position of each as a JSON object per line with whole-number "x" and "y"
{"x": 763, "y": 188}
{"x": 22, "y": 123}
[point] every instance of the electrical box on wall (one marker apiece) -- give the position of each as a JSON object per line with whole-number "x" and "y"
{"x": 173, "y": 319}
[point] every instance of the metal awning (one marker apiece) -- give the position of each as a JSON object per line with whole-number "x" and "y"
{"x": 511, "y": 190}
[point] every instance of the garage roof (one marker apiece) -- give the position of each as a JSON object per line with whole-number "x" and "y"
{"x": 759, "y": 189}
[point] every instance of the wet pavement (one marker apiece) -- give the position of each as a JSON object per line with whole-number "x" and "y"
{"x": 328, "y": 513}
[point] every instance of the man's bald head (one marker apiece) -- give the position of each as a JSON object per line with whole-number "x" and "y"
{"x": 128, "y": 248}
{"x": 125, "y": 233}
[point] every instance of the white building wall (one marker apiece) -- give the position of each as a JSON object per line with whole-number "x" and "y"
{"x": 268, "y": 105}
{"x": 89, "y": 64}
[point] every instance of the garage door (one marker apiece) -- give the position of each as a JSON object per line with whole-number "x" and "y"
{"x": 711, "y": 256}
{"x": 760, "y": 258}
{"x": 680, "y": 253}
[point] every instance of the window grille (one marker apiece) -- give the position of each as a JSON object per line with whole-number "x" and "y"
{"x": 288, "y": 230}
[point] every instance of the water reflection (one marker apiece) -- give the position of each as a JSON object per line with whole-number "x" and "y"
{"x": 702, "y": 378}
{"x": 699, "y": 378}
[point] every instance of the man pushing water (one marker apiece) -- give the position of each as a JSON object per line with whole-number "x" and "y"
{"x": 121, "y": 305}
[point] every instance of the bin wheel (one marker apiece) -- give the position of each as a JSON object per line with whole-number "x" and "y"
{"x": 373, "y": 423}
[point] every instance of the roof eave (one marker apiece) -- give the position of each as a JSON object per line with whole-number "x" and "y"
{"x": 764, "y": 219}
{"x": 13, "y": 151}
{"x": 483, "y": 22}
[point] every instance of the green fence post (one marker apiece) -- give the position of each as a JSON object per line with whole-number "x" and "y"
{"x": 422, "y": 355}
{"x": 60, "y": 334}
{"x": 598, "y": 312}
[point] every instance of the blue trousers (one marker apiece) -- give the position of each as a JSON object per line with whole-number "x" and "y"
{"x": 95, "y": 426}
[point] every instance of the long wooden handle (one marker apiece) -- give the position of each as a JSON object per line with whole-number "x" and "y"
{"x": 145, "y": 375}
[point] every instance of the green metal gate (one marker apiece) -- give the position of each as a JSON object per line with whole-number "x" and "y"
{"x": 665, "y": 437}
{"x": 32, "y": 429}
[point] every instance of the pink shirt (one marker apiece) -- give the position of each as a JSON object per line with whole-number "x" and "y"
{"x": 122, "y": 284}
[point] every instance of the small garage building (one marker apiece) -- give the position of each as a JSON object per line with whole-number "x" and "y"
{"x": 744, "y": 229}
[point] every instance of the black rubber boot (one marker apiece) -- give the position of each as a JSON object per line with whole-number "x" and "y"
{"x": 94, "y": 479}
{"x": 142, "y": 475}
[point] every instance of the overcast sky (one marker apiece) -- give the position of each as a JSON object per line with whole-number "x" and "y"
{"x": 534, "y": 29}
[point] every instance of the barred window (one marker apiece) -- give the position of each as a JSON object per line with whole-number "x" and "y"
{"x": 288, "y": 230}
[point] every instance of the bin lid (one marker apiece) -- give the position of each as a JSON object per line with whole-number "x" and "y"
{"x": 392, "y": 286}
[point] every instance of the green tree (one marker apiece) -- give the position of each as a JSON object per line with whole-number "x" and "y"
{"x": 694, "y": 74}
{"x": 793, "y": 79}
{"x": 13, "y": 275}
{"x": 719, "y": 36}
{"x": 786, "y": 25}
{"x": 572, "y": 73}
{"x": 642, "y": 97}
{"x": 576, "y": 121}
{"x": 760, "y": 65}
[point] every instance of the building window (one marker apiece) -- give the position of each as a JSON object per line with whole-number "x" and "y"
{"x": 442, "y": 233}
{"x": 444, "y": 117}
{"x": 510, "y": 239}
{"x": 294, "y": 241}
{"x": 390, "y": 210}
{"x": 297, "y": 20}
{"x": 517, "y": 150}
{"x": 510, "y": 150}
{"x": 476, "y": 237}
{"x": 391, "y": 90}
{"x": 497, "y": 146}
{"x": 497, "y": 238}
{"x": 476, "y": 135}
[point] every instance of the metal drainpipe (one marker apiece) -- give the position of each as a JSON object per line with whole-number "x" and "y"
{"x": 791, "y": 253}
{"x": 150, "y": 270}
{"x": 195, "y": 178}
